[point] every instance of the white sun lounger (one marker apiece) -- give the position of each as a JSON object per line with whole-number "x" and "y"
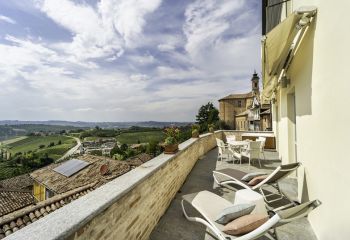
{"x": 209, "y": 205}
{"x": 233, "y": 176}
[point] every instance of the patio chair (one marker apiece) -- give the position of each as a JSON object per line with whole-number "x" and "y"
{"x": 252, "y": 151}
{"x": 210, "y": 205}
{"x": 233, "y": 176}
{"x": 223, "y": 149}
{"x": 231, "y": 138}
{"x": 262, "y": 140}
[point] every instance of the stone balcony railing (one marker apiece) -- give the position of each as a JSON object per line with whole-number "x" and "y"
{"x": 128, "y": 207}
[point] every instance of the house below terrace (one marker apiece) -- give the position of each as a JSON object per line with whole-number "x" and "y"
{"x": 86, "y": 169}
{"x": 55, "y": 186}
{"x": 15, "y": 193}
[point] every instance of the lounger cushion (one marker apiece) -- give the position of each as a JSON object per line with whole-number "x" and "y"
{"x": 250, "y": 176}
{"x": 245, "y": 224}
{"x": 231, "y": 213}
{"x": 256, "y": 180}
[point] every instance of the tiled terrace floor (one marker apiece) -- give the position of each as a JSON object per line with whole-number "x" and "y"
{"x": 173, "y": 224}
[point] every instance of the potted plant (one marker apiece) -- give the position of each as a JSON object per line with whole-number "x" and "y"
{"x": 211, "y": 128}
{"x": 195, "y": 130}
{"x": 171, "y": 144}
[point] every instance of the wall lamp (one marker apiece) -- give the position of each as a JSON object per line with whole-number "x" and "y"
{"x": 285, "y": 81}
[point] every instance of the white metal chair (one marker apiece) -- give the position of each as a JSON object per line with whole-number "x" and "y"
{"x": 223, "y": 149}
{"x": 231, "y": 138}
{"x": 262, "y": 146}
{"x": 252, "y": 151}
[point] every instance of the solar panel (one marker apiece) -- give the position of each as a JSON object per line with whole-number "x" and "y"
{"x": 71, "y": 167}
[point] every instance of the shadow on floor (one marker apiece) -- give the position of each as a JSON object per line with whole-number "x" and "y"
{"x": 174, "y": 226}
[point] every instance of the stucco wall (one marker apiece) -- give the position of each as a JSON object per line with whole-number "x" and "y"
{"x": 128, "y": 207}
{"x": 319, "y": 79}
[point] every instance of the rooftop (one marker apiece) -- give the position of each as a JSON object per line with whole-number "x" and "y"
{"x": 59, "y": 183}
{"x": 238, "y": 96}
{"x": 19, "y": 182}
{"x": 23, "y": 217}
{"x": 11, "y": 200}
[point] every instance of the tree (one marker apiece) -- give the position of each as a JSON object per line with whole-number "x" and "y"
{"x": 116, "y": 150}
{"x": 207, "y": 114}
{"x": 153, "y": 148}
{"x": 59, "y": 142}
{"x": 124, "y": 147}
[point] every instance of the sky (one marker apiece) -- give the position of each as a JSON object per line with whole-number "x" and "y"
{"x": 124, "y": 60}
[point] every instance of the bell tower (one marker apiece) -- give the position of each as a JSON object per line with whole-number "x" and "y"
{"x": 255, "y": 83}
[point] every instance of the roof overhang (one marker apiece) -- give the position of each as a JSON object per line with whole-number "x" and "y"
{"x": 280, "y": 45}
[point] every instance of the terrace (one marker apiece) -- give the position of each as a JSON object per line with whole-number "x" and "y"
{"x": 201, "y": 179}
{"x": 145, "y": 202}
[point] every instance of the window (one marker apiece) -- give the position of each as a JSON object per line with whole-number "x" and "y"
{"x": 239, "y": 103}
{"x": 48, "y": 194}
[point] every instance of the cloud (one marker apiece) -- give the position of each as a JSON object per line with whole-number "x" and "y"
{"x": 127, "y": 16}
{"x": 215, "y": 41}
{"x": 166, "y": 47}
{"x": 143, "y": 59}
{"x": 7, "y": 19}
{"x": 206, "y": 20}
{"x": 122, "y": 60}
{"x": 139, "y": 77}
{"x": 99, "y": 32}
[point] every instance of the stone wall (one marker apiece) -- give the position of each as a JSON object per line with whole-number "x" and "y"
{"x": 135, "y": 215}
{"x": 128, "y": 207}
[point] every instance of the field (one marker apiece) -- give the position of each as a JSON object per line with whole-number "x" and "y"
{"x": 143, "y": 137}
{"x": 32, "y": 143}
{"x": 12, "y": 140}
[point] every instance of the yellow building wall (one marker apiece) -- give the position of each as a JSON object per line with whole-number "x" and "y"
{"x": 320, "y": 81}
{"x": 241, "y": 123}
{"x": 39, "y": 191}
{"x": 228, "y": 108}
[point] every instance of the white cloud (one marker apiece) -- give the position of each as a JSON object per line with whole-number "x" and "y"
{"x": 215, "y": 41}
{"x": 143, "y": 59}
{"x": 101, "y": 32}
{"x": 166, "y": 47}
{"x": 171, "y": 73}
{"x": 127, "y": 16}
{"x": 195, "y": 60}
{"x": 139, "y": 77}
{"x": 7, "y": 19}
{"x": 206, "y": 20}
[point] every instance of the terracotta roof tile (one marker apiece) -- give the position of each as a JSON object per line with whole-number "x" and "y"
{"x": 91, "y": 175}
{"x": 19, "y": 182}
{"x": 138, "y": 160}
{"x": 11, "y": 200}
{"x": 19, "y": 219}
{"x": 60, "y": 184}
